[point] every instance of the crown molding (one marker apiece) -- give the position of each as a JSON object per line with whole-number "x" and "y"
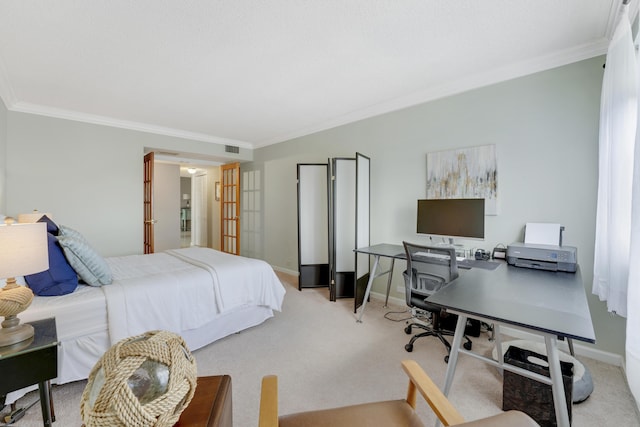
{"x": 24, "y": 107}
{"x": 497, "y": 75}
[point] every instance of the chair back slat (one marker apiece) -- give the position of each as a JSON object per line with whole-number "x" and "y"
{"x": 429, "y": 268}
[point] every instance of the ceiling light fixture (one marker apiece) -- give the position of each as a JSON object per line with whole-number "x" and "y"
{"x": 191, "y": 170}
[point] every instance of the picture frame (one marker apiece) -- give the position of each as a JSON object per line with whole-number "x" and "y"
{"x": 217, "y": 191}
{"x": 465, "y": 173}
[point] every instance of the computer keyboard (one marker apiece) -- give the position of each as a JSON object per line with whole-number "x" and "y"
{"x": 438, "y": 256}
{"x": 479, "y": 263}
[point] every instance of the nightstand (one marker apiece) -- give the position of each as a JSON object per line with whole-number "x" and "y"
{"x": 33, "y": 361}
{"x": 211, "y": 405}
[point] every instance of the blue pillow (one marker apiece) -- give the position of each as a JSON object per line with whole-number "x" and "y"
{"x": 59, "y": 279}
{"x": 51, "y": 226}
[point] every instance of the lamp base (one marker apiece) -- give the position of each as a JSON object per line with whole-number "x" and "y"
{"x": 13, "y": 332}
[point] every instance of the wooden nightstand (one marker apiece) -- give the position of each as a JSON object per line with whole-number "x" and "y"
{"x": 211, "y": 405}
{"x": 34, "y": 361}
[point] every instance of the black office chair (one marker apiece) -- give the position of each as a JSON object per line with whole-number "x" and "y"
{"x": 429, "y": 268}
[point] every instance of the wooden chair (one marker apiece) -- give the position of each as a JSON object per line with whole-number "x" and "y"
{"x": 387, "y": 413}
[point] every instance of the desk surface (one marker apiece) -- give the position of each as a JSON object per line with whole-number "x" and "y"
{"x": 385, "y": 250}
{"x": 546, "y": 301}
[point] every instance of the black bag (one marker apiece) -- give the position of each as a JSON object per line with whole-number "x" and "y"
{"x": 448, "y": 323}
{"x": 528, "y": 395}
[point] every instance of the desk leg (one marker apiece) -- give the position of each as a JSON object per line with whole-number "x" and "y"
{"x": 386, "y": 299}
{"x": 559, "y": 401}
{"x": 45, "y": 403}
{"x": 453, "y": 356}
{"x": 498, "y": 345}
{"x": 372, "y": 275}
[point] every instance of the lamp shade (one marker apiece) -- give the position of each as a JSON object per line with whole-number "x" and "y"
{"x": 185, "y": 196}
{"x": 32, "y": 216}
{"x": 23, "y": 249}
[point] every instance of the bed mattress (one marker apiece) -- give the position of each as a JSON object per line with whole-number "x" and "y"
{"x": 83, "y": 312}
{"x": 90, "y": 319}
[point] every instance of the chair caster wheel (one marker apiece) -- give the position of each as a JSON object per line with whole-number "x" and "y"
{"x": 409, "y": 347}
{"x": 467, "y": 345}
{"x": 407, "y": 330}
{"x": 446, "y": 359}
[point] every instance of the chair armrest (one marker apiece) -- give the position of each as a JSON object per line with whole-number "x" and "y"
{"x": 269, "y": 402}
{"x": 418, "y": 379}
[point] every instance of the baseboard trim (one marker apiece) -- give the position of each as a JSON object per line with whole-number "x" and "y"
{"x": 286, "y": 270}
{"x": 580, "y": 349}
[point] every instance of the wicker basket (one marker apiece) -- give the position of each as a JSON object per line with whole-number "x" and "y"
{"x": 531, "y": 396}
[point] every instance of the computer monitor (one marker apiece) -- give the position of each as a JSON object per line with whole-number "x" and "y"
{"x": 451, "y": 218}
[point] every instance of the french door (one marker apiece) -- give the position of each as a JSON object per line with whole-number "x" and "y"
{"x": 230, "y": 209}
{"x": 148, "y": 203}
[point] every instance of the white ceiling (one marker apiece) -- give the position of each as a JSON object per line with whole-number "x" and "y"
{"x": 252, "y": 73}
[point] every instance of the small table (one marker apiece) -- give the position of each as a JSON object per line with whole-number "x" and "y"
{"x": 33, "y": 361}
{"x": 185, "y": 219}
{"x": 547, "y": 303}
{"x": 211, "y": 404}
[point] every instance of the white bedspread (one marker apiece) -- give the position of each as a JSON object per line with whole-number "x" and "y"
{"x": 183, "y": 289}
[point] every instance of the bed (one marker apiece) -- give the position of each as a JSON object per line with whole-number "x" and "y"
{"x": 202, "y": 294}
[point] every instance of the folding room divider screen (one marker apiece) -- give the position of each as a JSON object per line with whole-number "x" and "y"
{"x": 313, "y": 225}
{"x": 333, "y": 219}
{"x": 363, "y": 200}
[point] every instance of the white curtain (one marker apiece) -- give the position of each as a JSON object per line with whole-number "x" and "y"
{"x": 618, "y": 119}
{"x": 633, "y": 291}
{"x": 616, "y": 277}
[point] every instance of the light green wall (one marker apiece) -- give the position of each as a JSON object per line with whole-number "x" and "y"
{"x": 545, "y": 128}
{"x": 88, "y": 176}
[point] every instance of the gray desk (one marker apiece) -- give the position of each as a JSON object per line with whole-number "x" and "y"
{"x": 381, "y": 250}
{"x": 545, "y": 303}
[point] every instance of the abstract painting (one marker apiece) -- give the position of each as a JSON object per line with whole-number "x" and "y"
{"x": 465, "y": 173}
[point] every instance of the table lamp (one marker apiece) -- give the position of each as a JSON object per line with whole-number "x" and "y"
{"x": 23, "y": 251}
{"x": 32, "y": 216}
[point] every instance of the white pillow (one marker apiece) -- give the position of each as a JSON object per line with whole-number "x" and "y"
{"x": 90, "y": 266}
{"x": 63, "y": 230}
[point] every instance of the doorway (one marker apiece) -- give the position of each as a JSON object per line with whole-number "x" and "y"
{"x": 199, "y": 209}
{"x": 184, "y": 193}
{"x": 185, "y": 211}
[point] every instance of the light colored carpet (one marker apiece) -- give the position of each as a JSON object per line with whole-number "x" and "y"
{"x": 323, "y": 358}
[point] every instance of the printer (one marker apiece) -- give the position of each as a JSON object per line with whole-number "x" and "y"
{"x": 543, "y": 257}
